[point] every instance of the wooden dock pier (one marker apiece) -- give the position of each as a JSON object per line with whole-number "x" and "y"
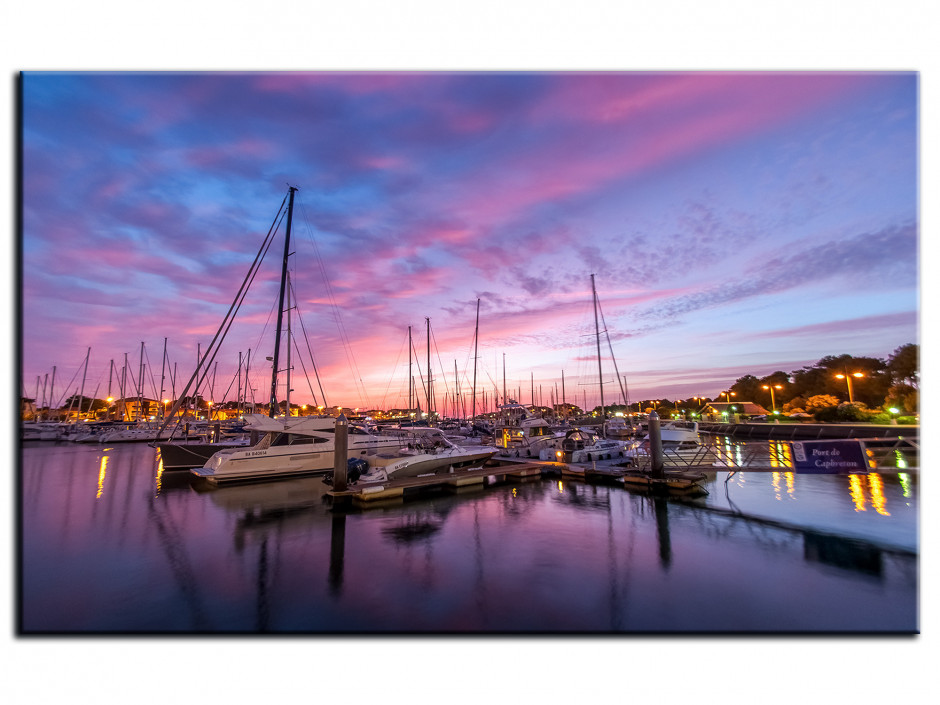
{"x": 457, "y": 480}
{"x": 684, "y": 472}
{"x": 509, "y": 470}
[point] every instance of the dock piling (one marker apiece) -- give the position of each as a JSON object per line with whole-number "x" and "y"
{"x": 656, "y": 447}
{"x": 340, "y": 454}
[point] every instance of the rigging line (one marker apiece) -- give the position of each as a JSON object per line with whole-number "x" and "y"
{"x": 63, "y": 397}
{"x": 394, "y": 369}
{"x": 337, "y": 317}
{"x": 466, "y": 365}
{"x": 207, "y": 365}
{"x": 236, "y": 304}
{"x": 313, "y": 361}
{"x": 153, "y": 382}
{"x": 612, "y": 357}
{"x": 439, "y": 363}
{"x": 249, "y": 389}
{"x": 420, "y": 376}
{"x": 304, "y": 368}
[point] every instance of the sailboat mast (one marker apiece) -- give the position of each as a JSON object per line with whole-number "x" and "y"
{"x": 410, "y": 396}
{"x": 163, "y": 381}
{"x": 476, "y": 347}
{"x": 504, "y": 378}
{"x": 81, "y": 394}
{"x": 140, "y": 384}
{"x": 597, "y": 329}
{"x": 430, "y": 408}
{"x": 272, "y": 409}
{"x": 238, "y": 396}
{"x": 124, "y": 390}
{"x": 51, "y": 389}
{"x": 289, "y": 342}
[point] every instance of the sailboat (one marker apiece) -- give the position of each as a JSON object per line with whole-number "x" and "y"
{"x": 303, "y": 446}
{"x": 580, "y": 444}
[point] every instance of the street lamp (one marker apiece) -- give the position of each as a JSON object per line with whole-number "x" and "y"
{"x": 848, "y": 381}
{"x": 894, "y": 412}
{"x": 772, "y": 387}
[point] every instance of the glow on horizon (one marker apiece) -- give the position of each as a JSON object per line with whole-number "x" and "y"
{"x": 736, "y": 223}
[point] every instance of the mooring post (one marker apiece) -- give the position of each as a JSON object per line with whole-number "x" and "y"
{"x": 340, "y": 454}
{"x": 656, "y": 446}
{"x": 217, "y": 432}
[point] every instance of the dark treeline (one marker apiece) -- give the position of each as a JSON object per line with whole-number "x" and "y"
{"x": 822, "y": 390}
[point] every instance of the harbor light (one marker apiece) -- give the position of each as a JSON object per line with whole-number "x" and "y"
{"x": 894, "y": 412}
{"x": 772, "y": 387}
{"x": 848, "y": 381}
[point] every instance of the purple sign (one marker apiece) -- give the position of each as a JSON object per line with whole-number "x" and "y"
{"x": 830, "y": 457}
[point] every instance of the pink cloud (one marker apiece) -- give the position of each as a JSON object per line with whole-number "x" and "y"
{"x": 676, "y": 117}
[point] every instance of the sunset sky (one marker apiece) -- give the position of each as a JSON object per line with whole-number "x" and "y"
{"x": 735, "y": 222}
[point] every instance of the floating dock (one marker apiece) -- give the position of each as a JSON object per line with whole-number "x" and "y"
{"x": 508, "y": 470}
{"x": 684, "y": 471}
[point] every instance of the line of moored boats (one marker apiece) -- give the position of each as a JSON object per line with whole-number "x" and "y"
{"x": 263, "y": 448}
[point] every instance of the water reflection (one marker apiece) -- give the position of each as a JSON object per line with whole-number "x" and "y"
{"x": 102, "y": 472}
{"x": 337, "y": 554}
{"x": 153, "y": 552}
{"x": 662, "y": 531}
{"x": 905, "y": 481}
{"x": 788, "y": 479}
{"x": 413, "y": 529}
{"x": 173, "y": 544}
{"x": 847, "y": 554}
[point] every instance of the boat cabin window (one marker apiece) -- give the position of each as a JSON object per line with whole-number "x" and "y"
{"x": 291, "y": 439}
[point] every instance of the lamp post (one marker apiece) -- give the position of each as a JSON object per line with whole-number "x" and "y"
{"x": 728, "y": 396}
{"x": 772, "y": 387}
{"x": 848, "y": 381}
{"x": 894, "y": 413}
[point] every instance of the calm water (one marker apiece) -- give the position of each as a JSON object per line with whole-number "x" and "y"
{"x": 110, "y": 543}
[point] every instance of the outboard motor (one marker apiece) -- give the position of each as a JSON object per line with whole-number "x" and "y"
{"x": 356, "y": 468}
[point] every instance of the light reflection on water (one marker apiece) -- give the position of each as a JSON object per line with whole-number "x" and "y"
{"x": 113, "y": 543}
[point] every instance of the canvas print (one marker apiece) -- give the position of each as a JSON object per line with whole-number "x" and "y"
{"x": 500, "y": 353}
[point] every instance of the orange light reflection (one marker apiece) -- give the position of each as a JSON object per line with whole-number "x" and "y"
{"x": 101, "y": 473}
{"x": 878, "y": 501}
{"x": 858, "y": 493}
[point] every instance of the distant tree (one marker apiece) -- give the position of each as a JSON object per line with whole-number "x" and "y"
{"x": 809, "y": 381}
{"x": 821, "y": 401}
{"x": 77, "y": 401}
{"x": 846, "y": 411}
{"x": 870, "y": 388}
{"x": 796, "y": 404}
{"x": 903, "y": 365}
{"x": 747, "y": 388}
{"x": 903, "y": 397}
